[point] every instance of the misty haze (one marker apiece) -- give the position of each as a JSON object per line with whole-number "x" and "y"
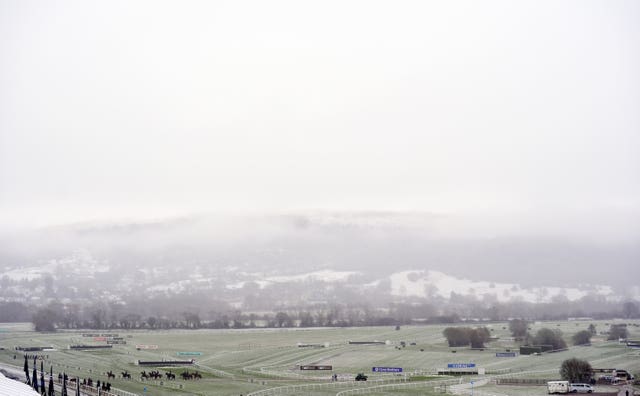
{"x": 256, "y": 197}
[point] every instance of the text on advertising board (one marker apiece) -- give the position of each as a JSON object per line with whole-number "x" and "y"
{"x": 461, "y": 365}
{"x": 316, "y": 367}
{"x": 140, "y": 346}
{"x": 386, "y": 369}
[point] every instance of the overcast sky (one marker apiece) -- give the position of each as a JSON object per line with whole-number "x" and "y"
{"x": 139, "y": 109}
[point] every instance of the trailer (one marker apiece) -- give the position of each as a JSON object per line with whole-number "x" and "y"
{"x": 558, "y": 387}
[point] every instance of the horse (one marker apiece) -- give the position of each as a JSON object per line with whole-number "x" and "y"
{"x": 156, "y": 374}
{"x": 186, "y": 375}
{"x": 126, "y": 375}
{"x": 110, "y": 375}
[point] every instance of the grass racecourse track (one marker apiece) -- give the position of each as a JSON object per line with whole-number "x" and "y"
{"x": 234, "y": 362}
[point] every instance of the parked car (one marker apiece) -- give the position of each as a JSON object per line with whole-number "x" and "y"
{"x": 581, "y": 388}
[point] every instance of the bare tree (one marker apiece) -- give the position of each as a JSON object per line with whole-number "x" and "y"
{"x": 630, "y": 310}
{"x": 518, "y": 327}
{"x": 575, "y": 370}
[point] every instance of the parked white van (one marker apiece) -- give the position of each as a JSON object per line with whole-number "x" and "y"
{"x": 558, "y": 387}
{"x": 581, "y": 388}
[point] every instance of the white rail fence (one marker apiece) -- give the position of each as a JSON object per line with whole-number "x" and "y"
{"x": 91, "y": 390}
{"x": 303, "y": 388}
{"x": 454, "y": 386}
{"x": 442, "y": 385}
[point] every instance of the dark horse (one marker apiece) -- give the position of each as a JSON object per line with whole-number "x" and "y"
{"x": 110, "y": 374}
{"x": 186, "y": 375}
{"x": 126, "y": 375}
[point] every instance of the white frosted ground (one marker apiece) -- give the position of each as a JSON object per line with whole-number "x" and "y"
{"x": 435, "y": 283}
{"x": 9, "y": 387}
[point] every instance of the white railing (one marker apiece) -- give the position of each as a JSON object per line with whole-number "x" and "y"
{"x": 121, "y": 392}
{"x": 161, "y": 383}
{"x": 406, "y": 385}
{"x": 454, "y": 386}
{"x": 217, "y": 372}
{"x": 305, "y": 388}
{"x": 92, "y": 390}
{"x": 264, "y": 371}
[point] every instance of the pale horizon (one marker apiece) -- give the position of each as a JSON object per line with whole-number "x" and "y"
{"x": 519, "y": 114}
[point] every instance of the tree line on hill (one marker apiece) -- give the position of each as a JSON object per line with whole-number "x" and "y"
{"x": 53, "y": 317}
{"x": 140, "y": 298}
{"x": 191, "y": 313}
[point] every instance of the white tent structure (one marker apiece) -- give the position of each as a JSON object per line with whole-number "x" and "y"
{"x": 9, "y": 387}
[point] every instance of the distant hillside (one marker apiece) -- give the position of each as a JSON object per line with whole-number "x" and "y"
{"x": 404, "y": 255}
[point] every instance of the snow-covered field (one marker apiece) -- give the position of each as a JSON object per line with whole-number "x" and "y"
{"x": 435, "y": 283}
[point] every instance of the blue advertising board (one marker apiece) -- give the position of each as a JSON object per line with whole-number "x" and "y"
{"x": 386, "y": 369}
{"x": 461, "y": 365}
{"x": 505, "y": 354}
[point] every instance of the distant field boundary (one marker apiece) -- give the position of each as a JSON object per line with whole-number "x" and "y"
{"x": 523, "y": 381}
{"x": 165, "y": 363}
{"x": 89, "y": 347}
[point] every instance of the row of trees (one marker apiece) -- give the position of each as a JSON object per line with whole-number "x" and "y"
{"x": 255, "y": 298}
{"x": 476, "y": 337}
{"x": 51, "y": 317}
{"x": 121, "y": 316}
{"x": 520, "y": 330}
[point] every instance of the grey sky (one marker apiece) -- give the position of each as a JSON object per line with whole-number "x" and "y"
{"x": 498, "y": 110}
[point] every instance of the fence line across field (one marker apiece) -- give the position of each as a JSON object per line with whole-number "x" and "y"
{"x": 453, "y": 386}
{"x": 406, "y": 385}
{"x": 282, "y": 390}
{"x": 364, "y": 387}
{"x": 92, "y": 390}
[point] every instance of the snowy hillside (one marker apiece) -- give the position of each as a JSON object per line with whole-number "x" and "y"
{"x": 435, "y": 283}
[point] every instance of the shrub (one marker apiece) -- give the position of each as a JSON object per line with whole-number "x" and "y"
{"x": 546, "y": 336}
{"x": 617, "y": 331}
{"x": 582, "y": 337}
